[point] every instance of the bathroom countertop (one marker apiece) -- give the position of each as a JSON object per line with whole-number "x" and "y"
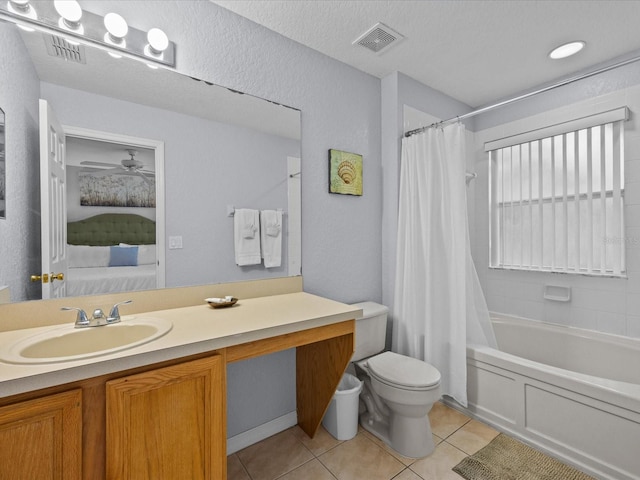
{"x": 196, "y": 329}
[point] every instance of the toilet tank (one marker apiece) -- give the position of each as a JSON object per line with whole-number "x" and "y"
{"x": 371, "y": 330}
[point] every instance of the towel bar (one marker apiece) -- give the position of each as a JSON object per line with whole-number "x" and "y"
{"x": 231, "y": 210}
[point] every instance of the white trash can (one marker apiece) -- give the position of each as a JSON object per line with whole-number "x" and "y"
{"x": 341, "y": 419}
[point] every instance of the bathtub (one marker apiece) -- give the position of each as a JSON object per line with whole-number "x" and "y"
{"x": 570, "y": 392}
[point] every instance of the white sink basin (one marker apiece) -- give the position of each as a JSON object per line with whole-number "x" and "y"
{"x": 69, "y": 343}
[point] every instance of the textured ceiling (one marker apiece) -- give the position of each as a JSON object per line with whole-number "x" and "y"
{"x": 476, "y": 51}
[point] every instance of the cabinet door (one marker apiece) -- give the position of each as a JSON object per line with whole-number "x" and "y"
{"x": 169, "y": 423}
{"x": 42, "y": 438}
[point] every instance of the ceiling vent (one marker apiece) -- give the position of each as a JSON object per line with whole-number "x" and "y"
{"x": 59, "y": 47}
{"x": 379, "y": 38}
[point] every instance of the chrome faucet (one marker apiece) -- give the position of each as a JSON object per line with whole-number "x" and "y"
{"x": 98, "y": 318}
{"x": 81, "y": 319}
{"x": 114, "y": 314}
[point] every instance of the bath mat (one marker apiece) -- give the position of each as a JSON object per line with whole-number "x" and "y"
{"x": 508, "y": 459}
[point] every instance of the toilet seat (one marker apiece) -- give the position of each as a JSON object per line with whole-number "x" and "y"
{"x": 403, "y": 372}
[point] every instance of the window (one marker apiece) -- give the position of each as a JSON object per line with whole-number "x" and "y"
{"x": 557, "y": 197}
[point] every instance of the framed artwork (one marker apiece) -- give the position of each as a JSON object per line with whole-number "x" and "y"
{"x": 116, "y": 191}
{"x": 345, "y": 172}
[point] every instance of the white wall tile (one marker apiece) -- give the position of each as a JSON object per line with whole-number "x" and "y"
{"x": 632, "y": 239}
{"x": 632, "y": 149}
{"x": 633, "y": 261}
{"x": 633, "y": 326}
{"x": 584, "y": 318}
{"x": 599, "y": 300}
{"x": 555, "y": 312}
{"x": 526, "y": 308}
{"x": 633, "y": 282}
{"x": 632, "y": 244}
{"x": 633, "y": 304}
{"x": 632, "y": 215}
{"x": 632, "y": 189}
{"x": 612, "y": 323}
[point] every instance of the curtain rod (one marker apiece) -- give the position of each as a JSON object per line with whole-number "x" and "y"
{"x": 561, "y": 83}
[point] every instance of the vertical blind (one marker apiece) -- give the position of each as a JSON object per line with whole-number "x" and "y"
{"x": 557, "y": 197}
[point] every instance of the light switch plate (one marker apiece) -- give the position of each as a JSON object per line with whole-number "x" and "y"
{"x": 175, "y": 243}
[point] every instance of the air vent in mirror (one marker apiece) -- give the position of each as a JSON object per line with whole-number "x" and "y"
{"x": 61, "y": 48}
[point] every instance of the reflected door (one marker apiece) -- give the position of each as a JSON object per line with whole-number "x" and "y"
{"x": 53, "y": 195}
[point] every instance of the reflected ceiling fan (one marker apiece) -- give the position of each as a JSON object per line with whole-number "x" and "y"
{"x": 128, "y": 166}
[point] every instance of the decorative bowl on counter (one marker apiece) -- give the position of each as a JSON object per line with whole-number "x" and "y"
{"x": 227, "y": 301}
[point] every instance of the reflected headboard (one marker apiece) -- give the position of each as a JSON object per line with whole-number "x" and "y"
{"x": 112, "y": 229}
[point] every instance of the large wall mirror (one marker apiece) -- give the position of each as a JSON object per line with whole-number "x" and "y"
{"x": 143, "y": 147}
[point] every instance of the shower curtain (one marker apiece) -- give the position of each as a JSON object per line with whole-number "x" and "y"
{"x": 438, "y": 301}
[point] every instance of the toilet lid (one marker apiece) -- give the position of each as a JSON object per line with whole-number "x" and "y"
{"x": 403, "y": 371}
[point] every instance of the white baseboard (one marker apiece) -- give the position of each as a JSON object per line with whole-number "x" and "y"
{"x": 266, "y": 430}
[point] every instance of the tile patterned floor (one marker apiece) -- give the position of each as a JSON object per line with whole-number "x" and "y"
{"x": 291, "y": 455}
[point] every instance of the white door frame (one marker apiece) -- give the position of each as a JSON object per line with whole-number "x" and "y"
{"x": 158, "y": 147}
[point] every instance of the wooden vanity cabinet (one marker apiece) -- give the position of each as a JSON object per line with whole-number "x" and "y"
{"x": 168, "y": 423}
{"x": 42, "y": 438}
{"x": 165, "y": 421}
{"x": 161, "y": 421}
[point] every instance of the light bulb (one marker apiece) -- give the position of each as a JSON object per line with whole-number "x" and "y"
{"x": 70, "y": 15}
{"x": 158, "y": 40}
{"x": 116, "y": 26}
{"x": 69, "y": 10}
{"x": 22, "y": 7}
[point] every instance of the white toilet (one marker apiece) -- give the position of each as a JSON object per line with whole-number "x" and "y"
{"x": 398, "y": 392}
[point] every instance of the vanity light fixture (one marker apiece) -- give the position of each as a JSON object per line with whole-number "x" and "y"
{"x": 567, "y": 49}
{"x": 66, "y": 19}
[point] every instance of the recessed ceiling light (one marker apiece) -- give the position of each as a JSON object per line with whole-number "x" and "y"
{"x": 566, "y": 50}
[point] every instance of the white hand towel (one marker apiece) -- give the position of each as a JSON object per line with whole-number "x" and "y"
{"x": 271, "y": 237}
{"x": 246, "y": 225}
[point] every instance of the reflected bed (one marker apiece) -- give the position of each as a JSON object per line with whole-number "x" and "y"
{"x": 111, "y": 253}
{"x": 91, "y": 281}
